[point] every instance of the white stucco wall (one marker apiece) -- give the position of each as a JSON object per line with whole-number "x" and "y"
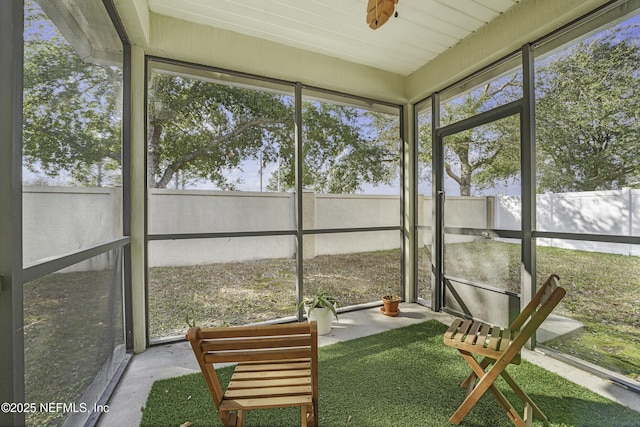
{"x": 59, "y": 221}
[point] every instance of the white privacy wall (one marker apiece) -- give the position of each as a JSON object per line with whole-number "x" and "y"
{"x": 615, "y": 212}
{"x": 172, "y": 211}
{"x": 353, "y": 211}
{"x": 201, "y": 211}
{"x": 61, "y": 220}
{"x": 58, "y": 221}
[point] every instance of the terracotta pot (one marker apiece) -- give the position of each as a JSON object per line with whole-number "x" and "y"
{"x": 390, "y": 306}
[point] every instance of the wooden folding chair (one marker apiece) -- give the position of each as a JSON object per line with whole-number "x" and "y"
{"x": 500, "y": 347}
{"x": 277, "y": 367}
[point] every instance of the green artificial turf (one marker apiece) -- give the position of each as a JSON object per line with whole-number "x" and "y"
{"x": 402, "y": 377}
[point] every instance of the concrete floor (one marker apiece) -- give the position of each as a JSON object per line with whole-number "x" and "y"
{"x": 129, "y": 398}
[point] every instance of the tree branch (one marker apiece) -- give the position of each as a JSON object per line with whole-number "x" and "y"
{"x": 451, "y": 174}
{"x": 175, "y": 166}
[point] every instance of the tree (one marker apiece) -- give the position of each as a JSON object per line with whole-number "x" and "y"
{"x": 205, "y": 129}
{"x": 479, "y": 157}
{"x": 71, "y": 110}
{"x": 344, "y": 148}
{"x": 197, "y": 129}
{"x": 588, "y": 114}
{"x": 200, "y": 129}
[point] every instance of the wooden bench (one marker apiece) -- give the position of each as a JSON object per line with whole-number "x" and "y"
{"x": 277, "y": 366}
{"x": 500, "y": 347}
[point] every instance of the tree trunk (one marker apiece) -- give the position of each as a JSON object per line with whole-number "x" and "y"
{"x": 465, "y": 180}
{"x": 153, "y": 145}
{"x": 466, "y": 170}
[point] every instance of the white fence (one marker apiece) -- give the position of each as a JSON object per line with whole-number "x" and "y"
{"x": 615, "y": 212}
{"x": 62, "y": 220}
{"x": 58, "y": 220}
{"x": 199, "y": 211}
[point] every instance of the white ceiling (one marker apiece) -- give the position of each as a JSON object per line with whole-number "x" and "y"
{"x": 337, "y": 28}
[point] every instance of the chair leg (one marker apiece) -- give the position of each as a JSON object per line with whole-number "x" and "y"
{"x": 229, "y": 419}
{"x": 535, "y": 411}
{"x": 316, "y": 420}
{"x": 528, "y": 416}
{"x": 308, "y": 414}
{"x": 240, "y": 422}
{"x": 486, "y": 383}
{"x": 471, "y": 383}
{"x": 470, "y": 380}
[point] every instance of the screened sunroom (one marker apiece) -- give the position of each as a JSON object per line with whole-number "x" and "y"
{"x": 168, "y": 161}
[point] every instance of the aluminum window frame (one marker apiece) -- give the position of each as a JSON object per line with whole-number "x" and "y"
{"x": 608, "y": 14}
{"x": 13, "y": 274}
{"x": 299, "y": 232}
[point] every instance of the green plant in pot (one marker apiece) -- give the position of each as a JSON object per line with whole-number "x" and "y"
{"x": 321, "y": 308}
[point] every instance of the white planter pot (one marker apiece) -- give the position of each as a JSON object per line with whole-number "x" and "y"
{"x": 324, "y": 317}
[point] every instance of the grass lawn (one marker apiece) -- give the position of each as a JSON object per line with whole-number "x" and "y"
{"x": 603, "y": 291}
{"x": 402, "y": 377}
{"x": 254, "y": 291}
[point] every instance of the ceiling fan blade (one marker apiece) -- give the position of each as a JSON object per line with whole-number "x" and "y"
{"x": 379, "y": 12}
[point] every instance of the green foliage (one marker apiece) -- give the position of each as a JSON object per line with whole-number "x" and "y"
{"x": 588, "y": 114}
{"x": 202, "y": 129}
{"x": 479, "y": 157}
{"x": 232, "y": 125}
{"x": 190, "y": 318}
{"x": 346, "y": 147}
{"x": 320, "y": 300}
{"x": 197, "y": 130}
{"x": 72, "y": 112}
{"x": 205, "y": 129}
{"x": 587, "y": 121}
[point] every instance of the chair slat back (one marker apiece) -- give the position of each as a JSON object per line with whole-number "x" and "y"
{"x": 261, "y": 343}
{"x": 251, "y": 343}
{"x": 544, "y": 301}
{"x": 534, "y": 314}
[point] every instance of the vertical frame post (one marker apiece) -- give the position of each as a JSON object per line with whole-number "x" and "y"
{"x": 299, "y": 199}
{"x": 126, "y": 171}
{"x": 12, "y": 388}
{"x": 437, "y": 214}
{"x": 528, "y": 170}
{"x": 407, "y": 203}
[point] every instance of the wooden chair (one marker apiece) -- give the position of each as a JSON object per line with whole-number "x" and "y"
{"x": 500, "y": 347}
{"x": 277, "y": 367}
